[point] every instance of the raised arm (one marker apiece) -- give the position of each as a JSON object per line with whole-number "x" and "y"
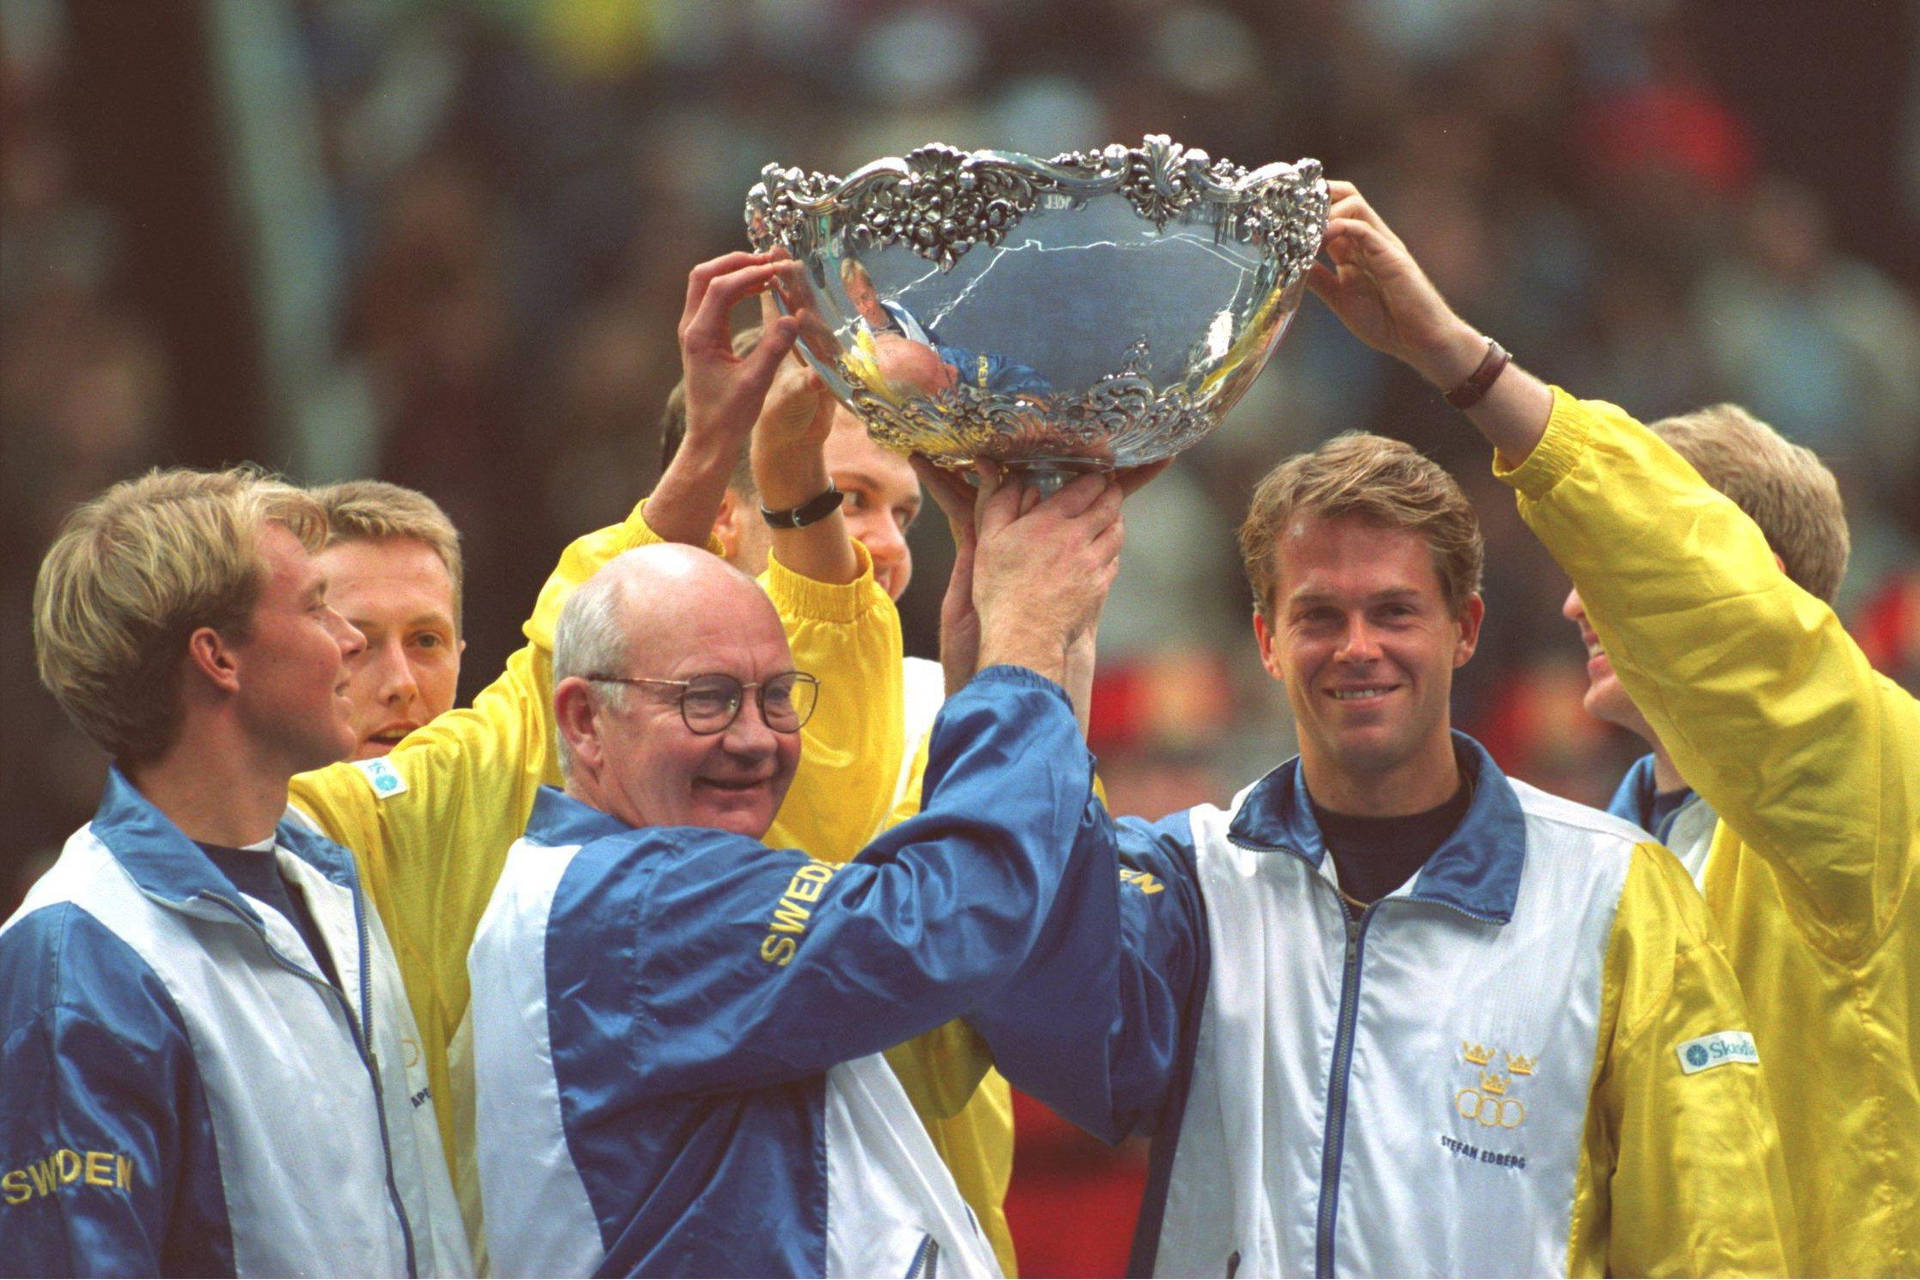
{"x": 792, "y": 964}
{"x": 848, "y": 634}
{"x": 725, "y": 392}
{"x": 840, "y": 623}
{"x": 1094, "y": 1022}
{"x": 1767, "y": 706}
{"x": 790, "y": 467}
{"x": 1380, "y": 293}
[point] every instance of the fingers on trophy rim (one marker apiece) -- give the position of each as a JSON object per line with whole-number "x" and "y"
{"x": 705, "y": 272}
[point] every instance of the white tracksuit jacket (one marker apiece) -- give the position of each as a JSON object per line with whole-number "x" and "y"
{"x": 183, "y": 1093}
{"x": 1531, "y": 1059}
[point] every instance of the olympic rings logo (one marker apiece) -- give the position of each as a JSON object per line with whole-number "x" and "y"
{"x": 1489, "y": 1109}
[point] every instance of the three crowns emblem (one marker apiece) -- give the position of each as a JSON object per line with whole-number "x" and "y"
{"x": 1479, "y": 1055}
{"x": 1489, "y": 1101}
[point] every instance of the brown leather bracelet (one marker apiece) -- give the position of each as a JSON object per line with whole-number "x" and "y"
{"x": 1474, "y": 389}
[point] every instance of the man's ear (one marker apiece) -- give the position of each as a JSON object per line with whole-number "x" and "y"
{"x": 573, "y": 720}
{"x": 1469, "y": 623}
{"x": 1263, "y": 636}
{"x": 726, "y": 525}
{"x": 213, "y": 659}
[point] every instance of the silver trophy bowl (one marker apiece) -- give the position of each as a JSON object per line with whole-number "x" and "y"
{"x": 1095, "y": 310}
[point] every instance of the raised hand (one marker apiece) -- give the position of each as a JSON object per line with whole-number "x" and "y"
{"x": 1042, "y": 567}
{"x": 790, "y": 465}
{"x": 725, "y": 391}
{"x": 1379, "y": 292}
{"x": 1371, "y": 281}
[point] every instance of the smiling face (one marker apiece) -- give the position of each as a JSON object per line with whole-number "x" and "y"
{"x": 635, "y": 756}
{"x": 290, "y": 694}
{"x": 398, "y": 593}
{"x": 883, "y": 498}
{"x": 1362, "y": 638}
{"x": 1606, "y": 698}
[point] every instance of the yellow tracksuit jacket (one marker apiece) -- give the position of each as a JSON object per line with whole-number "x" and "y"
{"x": 1812, "y": 761}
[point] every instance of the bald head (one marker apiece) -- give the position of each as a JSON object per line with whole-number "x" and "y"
{"x": 645, "y": 602}
{"x": 913, "y": 367}
{"x": 627, "y": 641}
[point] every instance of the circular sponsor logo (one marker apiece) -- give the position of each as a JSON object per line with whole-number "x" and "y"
{"x": 1697, "y": 1056}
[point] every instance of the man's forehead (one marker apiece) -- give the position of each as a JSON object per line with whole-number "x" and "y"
{"x": 1313, "y": 550}
{"x": 288, "y": 562}
{"x": 849, "y": 447}
{"x": 682, "y": 619}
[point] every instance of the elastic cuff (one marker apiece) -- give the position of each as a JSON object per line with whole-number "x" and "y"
{"x": 641, "y": 534}
{"x": 1008, "y": 673}
{"x": 804, "y": 598}
{"x": 1559, "y": 449}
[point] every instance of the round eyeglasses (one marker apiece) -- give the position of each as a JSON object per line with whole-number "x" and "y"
{"x": 711, "y": 703}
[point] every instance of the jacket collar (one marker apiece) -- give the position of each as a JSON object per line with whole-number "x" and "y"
{"x": 1475, "y": 870}
{"x": 558, "y": 820}
{"x": 1633, "y": 798}
{"x": 167, "y": 865}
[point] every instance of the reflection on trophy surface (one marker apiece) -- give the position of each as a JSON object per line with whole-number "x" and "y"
{"x": 1098, "y": 309}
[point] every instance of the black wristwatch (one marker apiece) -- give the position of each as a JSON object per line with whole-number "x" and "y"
{"x": 809, "y": 512}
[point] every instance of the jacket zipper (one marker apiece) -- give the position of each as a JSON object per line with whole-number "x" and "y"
{"x": 362, "y": 1039}
{"x": 1333, "y": 1142}
{"x": 373, "y": 1075}
{"x": 926, "y": 1259}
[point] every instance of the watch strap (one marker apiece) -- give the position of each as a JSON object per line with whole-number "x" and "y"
{"x": 809, "y": 512}
{"x": 1492, "y": 365}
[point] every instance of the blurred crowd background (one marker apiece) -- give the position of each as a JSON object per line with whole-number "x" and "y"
{"x": 446, "y": 243}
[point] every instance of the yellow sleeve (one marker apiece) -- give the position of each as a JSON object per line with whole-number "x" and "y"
{"x": 1768, "y": 707}
{"x": 849, "y": 637}
{"x": 1681, "y": 1172}
{"x": 430, "y": 824}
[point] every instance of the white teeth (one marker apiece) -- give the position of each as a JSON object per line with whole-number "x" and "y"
{"x": 1347, "y": 695}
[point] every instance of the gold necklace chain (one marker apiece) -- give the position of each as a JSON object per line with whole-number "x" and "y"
{"x": 1354, "y": 902}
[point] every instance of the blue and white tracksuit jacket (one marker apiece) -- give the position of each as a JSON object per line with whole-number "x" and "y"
{"x": 676, "y": 1031}
{"x": 1531, "y": 1059}
{"x": 183, "y": 1093}
{"x": 1688, "y": 830}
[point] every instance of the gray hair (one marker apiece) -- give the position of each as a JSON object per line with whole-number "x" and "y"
{"x": 590, "y": 639}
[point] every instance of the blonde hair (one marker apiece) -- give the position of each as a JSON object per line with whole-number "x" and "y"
{"x": 375, "y": 511}
{"x": 138, "y": 570}
{"x": 1381, "y": 481}
{"x": 1783, "y": 487}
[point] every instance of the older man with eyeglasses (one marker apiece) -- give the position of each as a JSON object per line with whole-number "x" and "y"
{"x": 677, "y": 1030}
